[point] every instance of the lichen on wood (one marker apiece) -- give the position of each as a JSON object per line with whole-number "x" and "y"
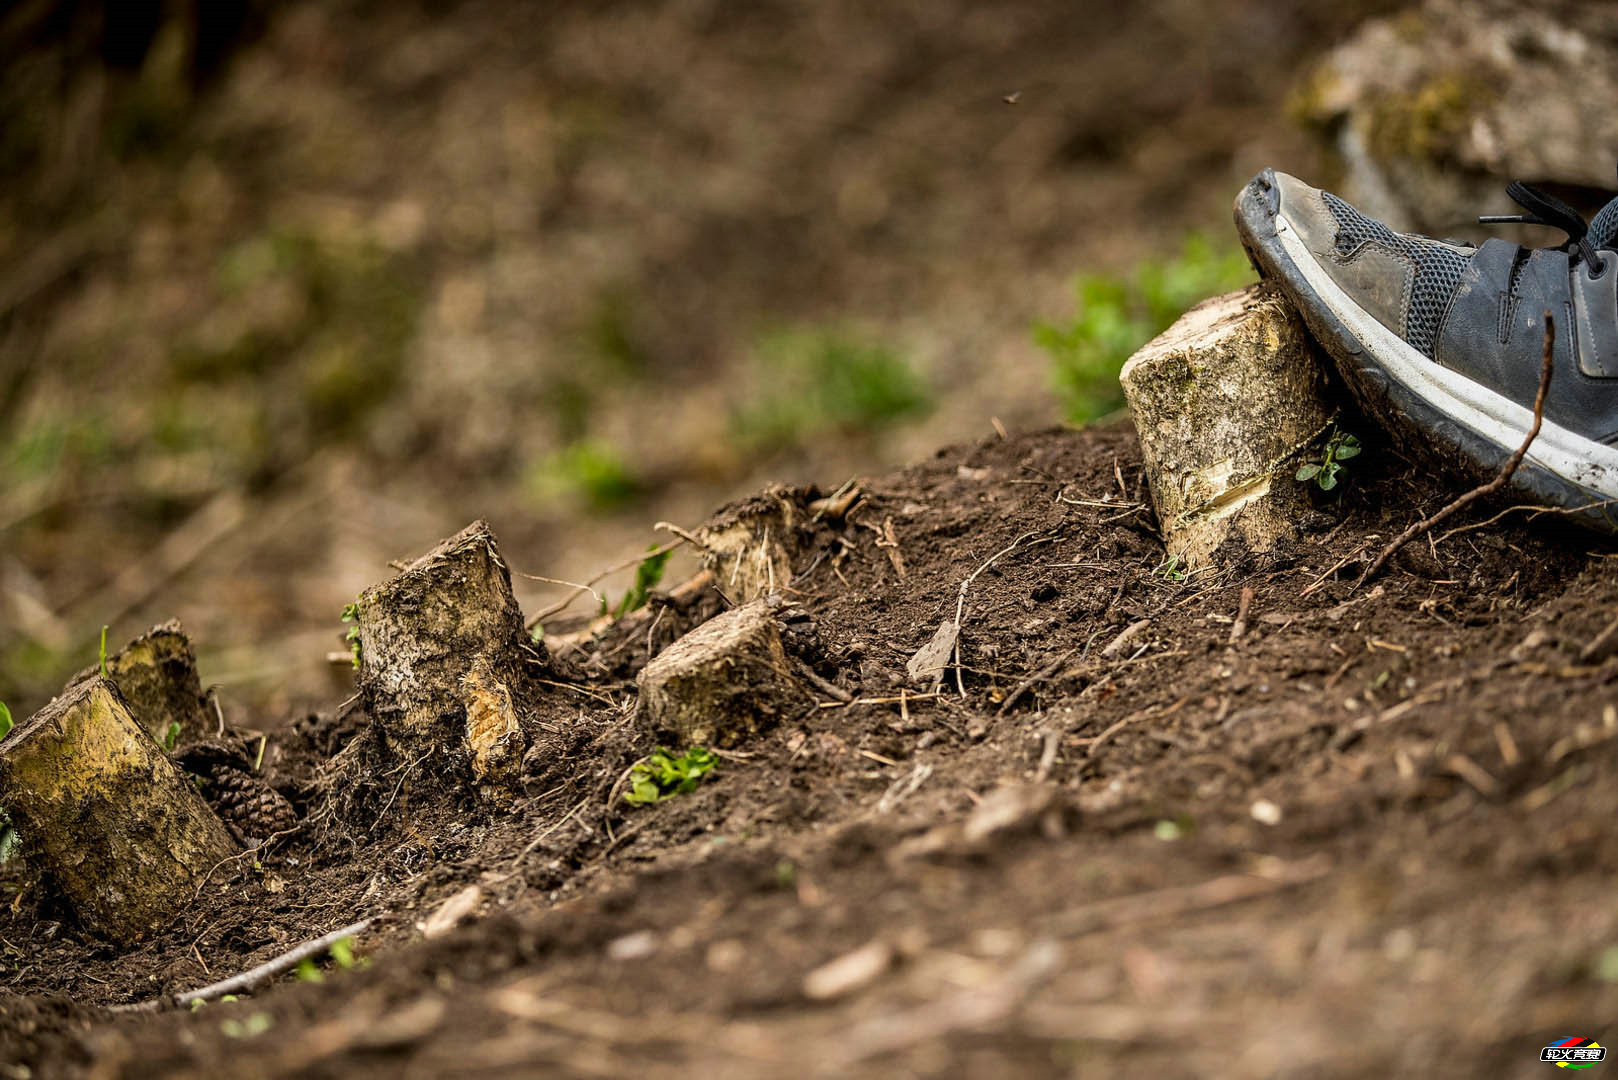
{"x": 119, "y": 829}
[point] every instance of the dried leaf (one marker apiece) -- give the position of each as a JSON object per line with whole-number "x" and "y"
{"x": 932, "y": 659}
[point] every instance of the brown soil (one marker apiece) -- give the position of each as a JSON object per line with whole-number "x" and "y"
{"x": 474, "y": 232}
{"x": 1370, "y": 837}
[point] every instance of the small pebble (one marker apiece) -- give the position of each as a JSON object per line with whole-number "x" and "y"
{"x": 849, "y": 972}
{"x": 636, "y": 946}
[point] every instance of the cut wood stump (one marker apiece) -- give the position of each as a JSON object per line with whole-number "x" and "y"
{"x": 102, "y": 810}
{"x": 157, "y": 676}
{"x": 1225, "y": 402}
{"x": 723, "y": 682}
{"x": 444, "y": 659}
{"x": 749, "y": 546}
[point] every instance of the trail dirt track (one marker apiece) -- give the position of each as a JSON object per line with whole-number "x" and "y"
{"x": 1369, "y": 836}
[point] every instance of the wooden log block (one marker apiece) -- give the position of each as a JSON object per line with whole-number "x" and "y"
{"x": 445, "y": 662}
{"x": 723, "y": 682}
{"x": 1224, "y": 402}
{"x": 157, "y": 676}
{"x": 102, "y": 810}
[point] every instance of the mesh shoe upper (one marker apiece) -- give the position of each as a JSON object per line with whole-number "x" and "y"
{"x": 1476, "y": 311}
{"x": 1447, "y": 343}
{"x": 1604, "y": 227}
{"x": 1436, "y": 268}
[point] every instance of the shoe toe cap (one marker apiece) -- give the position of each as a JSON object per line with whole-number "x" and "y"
{"x": 1271, "y": 195}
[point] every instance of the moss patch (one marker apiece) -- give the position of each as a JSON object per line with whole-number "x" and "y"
{"x": 1427, "y": 121}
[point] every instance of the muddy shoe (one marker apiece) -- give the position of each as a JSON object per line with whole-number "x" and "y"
{"x": 1444, "y": 342}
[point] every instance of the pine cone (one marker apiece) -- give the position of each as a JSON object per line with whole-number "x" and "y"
{"x": 252, "y": 808}
{"x": 249, "y": 807}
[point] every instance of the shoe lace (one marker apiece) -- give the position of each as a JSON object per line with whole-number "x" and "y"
{"x": 1543, "y": 208}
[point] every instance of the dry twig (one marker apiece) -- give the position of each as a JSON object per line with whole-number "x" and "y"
{"x": 1425, "y": 526}
{"x": 825, "y": 686}
{"x": 1034, "y": 680}
{"x": 1125, "y": 636}
{"x": 248, "y": 980}
{"x": 1239, "y": 627}
{"x": 585, "y": 587}
{"x": 1534, "y": 511}
{"x": 1178, "y": 901}
{"x": 1047, "y": 758}
{"x": 256, "y": 977}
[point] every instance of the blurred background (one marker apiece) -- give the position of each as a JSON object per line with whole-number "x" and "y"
{"x": 288, "y": 291}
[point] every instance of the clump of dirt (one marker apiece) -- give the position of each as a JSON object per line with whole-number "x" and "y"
{"x": 1364, "y": 835}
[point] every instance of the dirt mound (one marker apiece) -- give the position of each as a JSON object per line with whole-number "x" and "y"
{"x": 577, "y": 267}
{"x": 1364, "y": 834}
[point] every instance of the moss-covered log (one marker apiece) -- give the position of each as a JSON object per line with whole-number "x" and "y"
{"x": 445, "y": 663}
{"x": 157, "y": 676}
{"x": 724, "y": 681}
{"x": 102, "y": 810}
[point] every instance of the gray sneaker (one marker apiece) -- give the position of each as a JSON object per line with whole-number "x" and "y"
{"x": 1443, "y": 342}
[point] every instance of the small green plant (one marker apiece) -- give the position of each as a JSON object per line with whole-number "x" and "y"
{"x": 342, "y": 953}
{"x": 1170, "y": 569}
{"x": 1117, "y": 315}
{"x": 171, "y": 736}
{"x": 254, "y": 1025}
{"x": 5, "y": 720}
{"x": 1175, "y": 828}
{"x": 342, "y": 956}
{"x": 663, "y": 776}
{"x": 589, "y": 471}
{"x": 823, "y": 380}
{"x": 1606, "y": 967}
{"x": 351, "y": 615}
{"x": 647, "y": 575}
{"x": 9, "y": 839}
{"x": 1329, "y": 469}
{"x": 103, "y": 652}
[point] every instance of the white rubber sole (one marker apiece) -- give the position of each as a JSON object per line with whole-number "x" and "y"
{"x": 1500, "y": 420}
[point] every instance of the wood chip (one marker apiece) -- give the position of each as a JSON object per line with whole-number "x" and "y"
{"x": 450, "y": 913}
{"x": 849, "y": 972}
{"x": 1265, "y": 812}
